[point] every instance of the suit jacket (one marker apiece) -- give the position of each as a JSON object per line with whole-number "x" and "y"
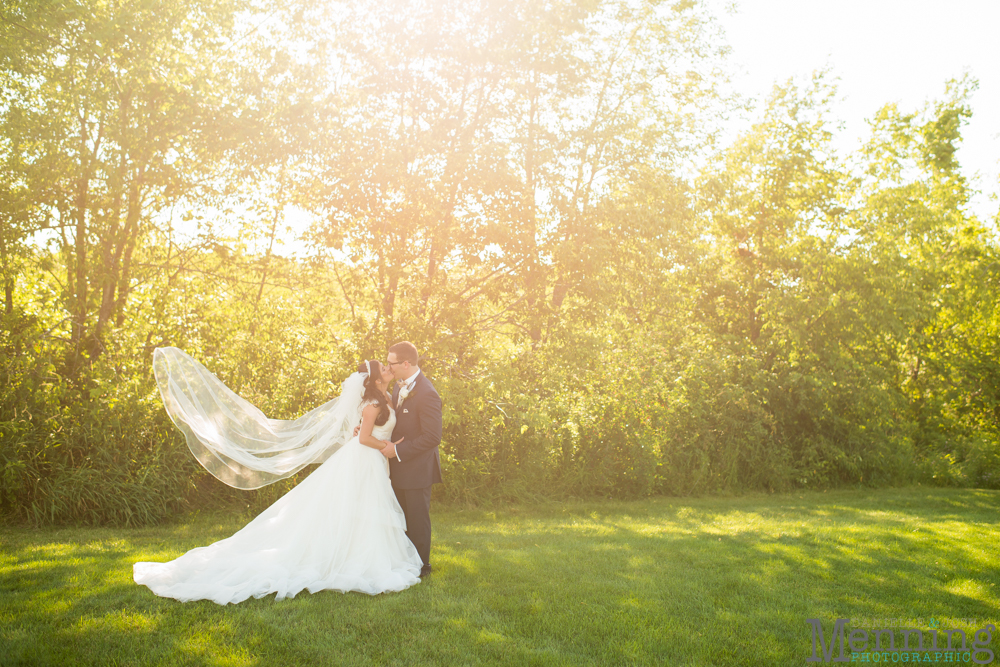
{"x": 418, "y": 422}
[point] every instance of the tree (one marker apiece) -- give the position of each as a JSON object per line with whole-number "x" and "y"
{"x": 472, "y": 143}
{"x": 113, "y": 114}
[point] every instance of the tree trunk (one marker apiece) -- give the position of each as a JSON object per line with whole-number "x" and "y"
{"x": 131, "y": 237}
{"x": 533, "y": 280}
{"x": 267, "y": 260}
{"x": 79, "y": 283}
{"x": 8, "y": 279}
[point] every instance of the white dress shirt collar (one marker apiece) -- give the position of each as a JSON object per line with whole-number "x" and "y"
{"x": 412, "y": 380}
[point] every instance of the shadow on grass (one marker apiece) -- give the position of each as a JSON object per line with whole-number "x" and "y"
{"x": 669, "y": 581}
{"x": 738, "y": 577}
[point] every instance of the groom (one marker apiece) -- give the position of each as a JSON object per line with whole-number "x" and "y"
{"x": 414, "y": 462}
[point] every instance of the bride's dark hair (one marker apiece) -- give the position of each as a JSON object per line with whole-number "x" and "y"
{"x": 372, "y": 392}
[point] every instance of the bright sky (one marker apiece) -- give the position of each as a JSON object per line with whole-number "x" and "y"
{"x": 883, "y": 51}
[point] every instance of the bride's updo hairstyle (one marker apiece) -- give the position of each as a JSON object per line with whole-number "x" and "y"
{"x": 372, "y": 392}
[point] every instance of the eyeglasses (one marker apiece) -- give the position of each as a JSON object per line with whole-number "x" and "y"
{"x": 390, "y": 364}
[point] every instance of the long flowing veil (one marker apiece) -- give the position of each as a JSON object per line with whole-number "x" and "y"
{"x": 235, "y": 441}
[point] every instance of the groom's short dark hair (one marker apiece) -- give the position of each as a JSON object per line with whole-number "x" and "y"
{"x": 405, "y": 351}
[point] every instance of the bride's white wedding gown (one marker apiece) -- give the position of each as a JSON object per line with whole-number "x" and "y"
{"x": 340, "y": 529}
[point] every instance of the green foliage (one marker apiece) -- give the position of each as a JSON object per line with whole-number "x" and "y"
{"x": 509, "y": 186}
{"x": 104, "y": 453}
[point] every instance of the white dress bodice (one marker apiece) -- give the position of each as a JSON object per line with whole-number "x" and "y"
{"x": 384, "y": 432}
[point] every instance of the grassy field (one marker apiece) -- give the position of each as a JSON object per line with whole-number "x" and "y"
{"x": 666, "y": 581}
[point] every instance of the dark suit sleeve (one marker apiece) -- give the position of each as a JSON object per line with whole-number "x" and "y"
{"x": 430, "y": 428}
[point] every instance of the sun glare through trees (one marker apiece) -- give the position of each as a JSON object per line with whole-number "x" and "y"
{"x": 616, "y": 295}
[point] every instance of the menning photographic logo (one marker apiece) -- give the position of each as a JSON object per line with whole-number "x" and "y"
{"x": 886, "y": 649}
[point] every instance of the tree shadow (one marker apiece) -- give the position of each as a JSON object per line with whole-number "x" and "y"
{"x": 744, "y": 575}
{"x": 700, "y": 582}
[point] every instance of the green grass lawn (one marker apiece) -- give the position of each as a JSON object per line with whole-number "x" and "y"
{"x": 665, "y": 581}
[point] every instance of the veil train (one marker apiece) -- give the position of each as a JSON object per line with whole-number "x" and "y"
{"x": 234, "y": 440}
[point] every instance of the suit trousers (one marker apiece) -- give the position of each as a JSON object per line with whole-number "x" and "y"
{"x": 416, "y": 504}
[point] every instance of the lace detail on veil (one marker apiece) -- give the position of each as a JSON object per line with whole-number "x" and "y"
{"x": 234, "y": 440}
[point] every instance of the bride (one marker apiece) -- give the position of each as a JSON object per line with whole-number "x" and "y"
{"x": 339, "y": 529}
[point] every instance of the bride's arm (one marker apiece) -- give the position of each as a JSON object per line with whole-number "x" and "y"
{"x": 368, "y": 416}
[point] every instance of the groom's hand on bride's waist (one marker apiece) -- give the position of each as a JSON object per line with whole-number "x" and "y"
{"x": 389, "y": 451}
